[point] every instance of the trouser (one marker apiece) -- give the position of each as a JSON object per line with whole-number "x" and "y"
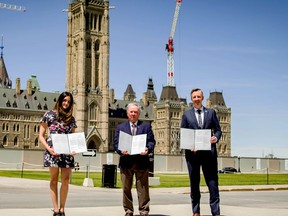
{"x": 209, "y": 167}
{"x": 142, "y": 187}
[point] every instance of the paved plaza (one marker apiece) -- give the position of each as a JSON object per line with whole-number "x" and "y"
{"x": 31, "y": 197}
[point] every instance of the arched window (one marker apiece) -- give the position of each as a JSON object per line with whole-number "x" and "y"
{"x": 93, "y": 112}
{"x": 225, "y": 149}
{"x": 99, "y": 23}
{"x": 36, "y": 143}
{"x": 87, "y": 17}
{"x": 15, "y": 141}
{"x": 95, "y": 22}
{"x": 5, "y": 141}
{"x": 97, "y": 46}
{"x": 26, "y": 131}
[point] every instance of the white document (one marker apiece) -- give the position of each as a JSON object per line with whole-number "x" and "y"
{"x": 195, "y": 139}
{"x": 133, "y": 144}
{"x": 68, "y": 143}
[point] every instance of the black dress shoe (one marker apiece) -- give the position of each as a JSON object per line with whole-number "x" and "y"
{"x": 56, "y": 213}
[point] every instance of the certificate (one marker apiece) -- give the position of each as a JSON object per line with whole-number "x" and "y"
{"x": 195, "y": 139}
{"x": 68, "y": 143}
{"x": 133, "y": 144}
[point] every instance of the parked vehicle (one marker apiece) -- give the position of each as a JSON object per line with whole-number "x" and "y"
{"x": 228, "y": 170}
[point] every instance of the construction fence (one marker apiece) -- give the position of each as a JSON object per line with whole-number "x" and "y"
{"x": 33, "y": 159}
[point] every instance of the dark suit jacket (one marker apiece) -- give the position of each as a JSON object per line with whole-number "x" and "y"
{"x": 140, "y": 161}
{"x": 189, "y": 120}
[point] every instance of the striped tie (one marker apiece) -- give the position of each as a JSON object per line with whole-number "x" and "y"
{"x": 134, "y": 128}
{"x": 200, "y": 124}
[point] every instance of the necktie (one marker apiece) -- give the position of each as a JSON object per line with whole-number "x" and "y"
{"x": 134, "y": 128}
{"x": 200, "y": 124}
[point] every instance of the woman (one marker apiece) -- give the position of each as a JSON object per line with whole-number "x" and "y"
{"x": 58, "y": 120}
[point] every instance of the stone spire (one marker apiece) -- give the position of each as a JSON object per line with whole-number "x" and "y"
{"x": 129, "y": 94}
{"x": 5, "y": 82}
{"x": 149, "y": 96}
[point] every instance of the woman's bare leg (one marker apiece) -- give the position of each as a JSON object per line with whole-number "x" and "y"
{"x": 65, "y": 176}
{"x": 54, "y": 173}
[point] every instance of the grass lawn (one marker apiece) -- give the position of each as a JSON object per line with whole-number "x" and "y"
{"x": 166, "y": 180}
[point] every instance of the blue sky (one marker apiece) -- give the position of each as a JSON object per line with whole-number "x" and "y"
{"x": 239, "y": 47}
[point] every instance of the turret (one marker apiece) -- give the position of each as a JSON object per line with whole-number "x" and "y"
{"x": 18, "y": 87}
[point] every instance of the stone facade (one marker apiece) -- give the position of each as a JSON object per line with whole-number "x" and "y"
{"x": 21, "y": 112}
{"x": 97, "y": 112}
{"x": 87, "y": 70}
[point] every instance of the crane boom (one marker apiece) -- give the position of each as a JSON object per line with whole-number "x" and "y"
{"x": 12, "y": 7}
{"x": 175, "y": 18}
{"x": 170, "y": 47}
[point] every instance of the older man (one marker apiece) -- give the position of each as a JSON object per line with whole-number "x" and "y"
{"x": 138, "y": 164}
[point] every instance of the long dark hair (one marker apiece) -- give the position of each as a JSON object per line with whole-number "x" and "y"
{"x": 64, "y": 115}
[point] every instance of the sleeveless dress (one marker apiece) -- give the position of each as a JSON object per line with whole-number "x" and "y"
{"x": 56, "y": 127}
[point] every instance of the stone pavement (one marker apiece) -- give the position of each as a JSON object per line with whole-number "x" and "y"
{"x": 156, "y": 210}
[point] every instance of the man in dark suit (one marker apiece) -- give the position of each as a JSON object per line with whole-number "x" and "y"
{"x": 199, "y": 117}
{"x": 135, "y": 164}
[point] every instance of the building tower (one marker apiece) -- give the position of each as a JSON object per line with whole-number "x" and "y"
{"x": 87, "y": 69}
{"x": 167, "y": 116}
{"x": 216, "y": 101}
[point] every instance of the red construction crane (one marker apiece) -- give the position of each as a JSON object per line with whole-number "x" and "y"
{"x": 170, "y": 47}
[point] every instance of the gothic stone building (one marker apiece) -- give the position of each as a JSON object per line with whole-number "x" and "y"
{"x": 96, "y": 110}
{"x": 165, "y": 116}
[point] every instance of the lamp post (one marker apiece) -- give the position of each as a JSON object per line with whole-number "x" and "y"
{"x": 239, "y": 164}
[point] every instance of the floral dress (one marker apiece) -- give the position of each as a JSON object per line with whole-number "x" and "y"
{"x": 56, "y": 127}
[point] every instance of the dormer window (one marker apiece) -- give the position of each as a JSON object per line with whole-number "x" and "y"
{"x": 8, "y": 104}
{"x": 14, "y": 104}
{"x": 27, "y": 106}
